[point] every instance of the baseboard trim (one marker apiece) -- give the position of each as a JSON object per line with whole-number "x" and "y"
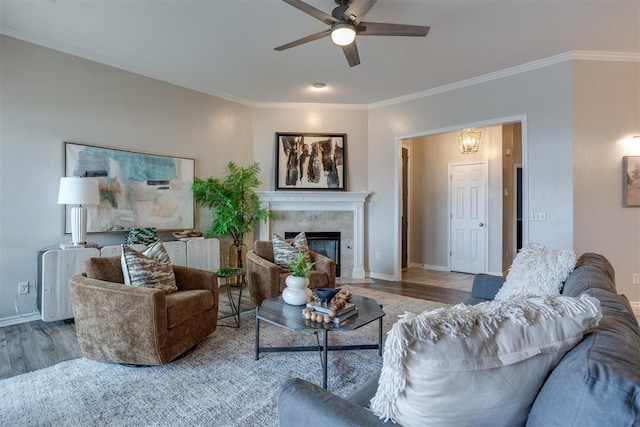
{"x": 493, "y": 273}
{"x": 382, "y": 277}
{"x": 429, "y": 267}
{"x": 16, "y": 320}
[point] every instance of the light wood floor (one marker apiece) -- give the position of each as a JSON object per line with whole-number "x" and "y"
{"x": 35, "y": 345}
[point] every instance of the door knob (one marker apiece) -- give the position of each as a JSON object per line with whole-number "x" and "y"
{"x": 481, "y": 224}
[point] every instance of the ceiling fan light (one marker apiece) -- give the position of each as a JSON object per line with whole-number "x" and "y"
{"x": 343, "y": 34}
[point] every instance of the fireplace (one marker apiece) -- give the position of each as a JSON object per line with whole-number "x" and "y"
{"x": 326, "y": 243}
{"x": 342, "y": 211}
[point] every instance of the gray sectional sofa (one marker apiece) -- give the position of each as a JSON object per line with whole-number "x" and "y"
{"x": 597, "y": 383}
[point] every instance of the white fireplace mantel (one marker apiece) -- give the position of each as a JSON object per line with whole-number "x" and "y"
{"x": 321, "y": 201}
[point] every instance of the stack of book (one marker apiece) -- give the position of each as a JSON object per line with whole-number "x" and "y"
{"x": 341, "y": 315}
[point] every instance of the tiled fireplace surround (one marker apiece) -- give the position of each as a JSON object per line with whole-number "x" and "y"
{"x": 341, "y": 211}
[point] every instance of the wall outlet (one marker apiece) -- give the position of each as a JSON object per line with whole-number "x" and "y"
{"x": 377, "y": 255}
{"x": 636, "y": 279}
{"x": 23, "y": 288}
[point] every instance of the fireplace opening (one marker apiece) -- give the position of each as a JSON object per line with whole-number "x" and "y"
{"x": 325, "y": 243}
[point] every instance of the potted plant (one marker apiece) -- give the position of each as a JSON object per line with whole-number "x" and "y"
{"x": 297, "y": 291}
{"x": 235, "y": 208}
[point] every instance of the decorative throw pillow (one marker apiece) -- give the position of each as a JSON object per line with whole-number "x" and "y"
{"x": 537, "y": 270}
{"x": 149, "y": 269}
{"x": 141, "y": 236}
{"x": 480, "y": 365}
{"x": 284, "y": 253}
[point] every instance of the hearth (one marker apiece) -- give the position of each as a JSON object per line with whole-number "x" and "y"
{"x": 326, "y": 243}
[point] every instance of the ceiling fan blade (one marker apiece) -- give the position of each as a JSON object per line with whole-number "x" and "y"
{"x": 310, "y": 10}
{"x": 351, "y": 53}
{"x": 384, "y": 29}
{"x": 358, "y": 8}
{"x": 304, "y": 40}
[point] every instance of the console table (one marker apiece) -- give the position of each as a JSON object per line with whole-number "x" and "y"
{"x": 56, "y": 266}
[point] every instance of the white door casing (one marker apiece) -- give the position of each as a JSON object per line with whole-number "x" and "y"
{"x": 468, "y": 217}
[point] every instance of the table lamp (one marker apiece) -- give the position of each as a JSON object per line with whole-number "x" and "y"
{"x": 78, "y": 191}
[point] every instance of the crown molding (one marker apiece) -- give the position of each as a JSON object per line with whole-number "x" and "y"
{"x": 534, "y": 65}
{"x": 586, "y": 55}
{"x": 319, "y": 105}
{"x": 518, "y": 69}
{"x": 582, "y": 55}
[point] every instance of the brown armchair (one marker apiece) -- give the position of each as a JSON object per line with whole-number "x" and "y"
{"x": 267, "y": 280}
{"x": 136, "y": 325}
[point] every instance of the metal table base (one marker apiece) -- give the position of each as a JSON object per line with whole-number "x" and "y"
{"x": 227, "y": 274}
{"x": 323, "y": 349}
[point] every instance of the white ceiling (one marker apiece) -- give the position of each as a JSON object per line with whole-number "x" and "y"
{"x": 225, "y": 47}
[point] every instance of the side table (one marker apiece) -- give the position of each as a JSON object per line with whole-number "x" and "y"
{"x": 227, "y": 274}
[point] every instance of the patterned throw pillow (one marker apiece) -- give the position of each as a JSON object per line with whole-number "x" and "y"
{"x": 141, "y": 236}
{"x": 149, "y": 269}
{"x": 284, "y": 253}
{"x": 477, "y": 365}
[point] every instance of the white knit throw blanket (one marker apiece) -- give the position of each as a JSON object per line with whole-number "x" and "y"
{"x": 460, "y": 321}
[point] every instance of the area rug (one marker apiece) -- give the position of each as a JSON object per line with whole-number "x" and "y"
{"x": 218, "y": 383}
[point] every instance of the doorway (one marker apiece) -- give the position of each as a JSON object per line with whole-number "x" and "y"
{"x": 429, "y": 240}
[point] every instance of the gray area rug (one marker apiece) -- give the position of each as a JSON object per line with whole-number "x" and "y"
{"x": 218, "y": 384}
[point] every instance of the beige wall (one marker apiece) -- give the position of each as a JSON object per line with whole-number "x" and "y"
{"x": 353, "y": 122}
{"x": 606, "y": 115}
{"x": 48, "y": 97}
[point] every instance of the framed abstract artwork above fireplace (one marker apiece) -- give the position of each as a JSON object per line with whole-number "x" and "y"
{"x": 311, "y": 161}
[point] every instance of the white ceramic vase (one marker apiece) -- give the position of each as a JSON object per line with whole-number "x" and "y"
{"x": 297, "y": 291}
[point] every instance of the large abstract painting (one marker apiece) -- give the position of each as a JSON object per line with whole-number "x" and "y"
{"x": 306, "y": 161}
{"x": 136, "y": 189}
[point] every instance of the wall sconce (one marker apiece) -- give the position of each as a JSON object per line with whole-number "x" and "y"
{"x": 469, "y": 141}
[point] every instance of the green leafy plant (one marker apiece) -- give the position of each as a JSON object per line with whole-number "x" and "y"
{"x": 235, "y": 208}
{"x": 300, "y": 267}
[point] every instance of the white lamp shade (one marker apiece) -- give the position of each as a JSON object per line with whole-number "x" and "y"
{"x": 343, "y": 34}
{"x": 78, "y": 191}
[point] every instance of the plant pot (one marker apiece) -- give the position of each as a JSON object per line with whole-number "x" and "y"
{"x": 233, "y": 260}
{"x": 297, "y": 291}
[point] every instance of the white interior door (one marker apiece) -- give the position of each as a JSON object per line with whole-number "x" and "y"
{"x": 468, "y": 231}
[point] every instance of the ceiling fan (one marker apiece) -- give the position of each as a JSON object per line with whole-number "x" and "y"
{"x": 346, "y": 21}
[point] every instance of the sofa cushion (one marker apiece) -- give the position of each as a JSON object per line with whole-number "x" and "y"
{"x": 286, "y": 252}
{"x": 108, "y": 269}
{"x": 183, "y": 305}
{"x": 149, "y": 269}
{"x": 486, "y": 286}
{"x": 597, "y": 382}
{"x": 537, "y": 270}
{"x": 484, "y": 363}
